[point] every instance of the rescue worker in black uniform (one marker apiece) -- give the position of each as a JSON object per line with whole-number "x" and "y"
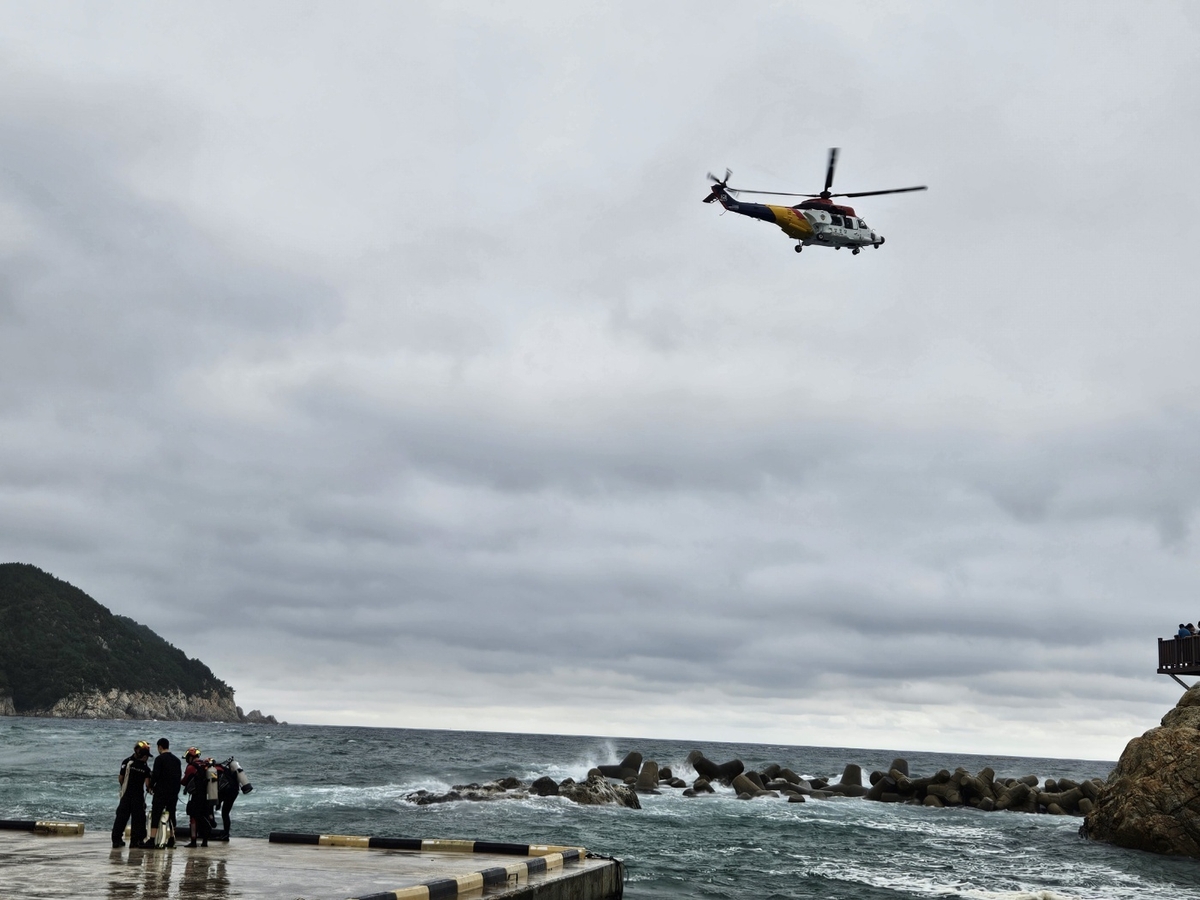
{"x": 133, "y": 778}
{"x": 165, "y": 781}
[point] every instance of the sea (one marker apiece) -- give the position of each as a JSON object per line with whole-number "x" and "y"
{"x": 339, "y": 780}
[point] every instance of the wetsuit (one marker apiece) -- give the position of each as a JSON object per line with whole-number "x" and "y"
{"x": 226, "y": 806}
{"x": 227, "y": 793}
{"x": 132, "y": 805}
{"x": 165, "y": 783}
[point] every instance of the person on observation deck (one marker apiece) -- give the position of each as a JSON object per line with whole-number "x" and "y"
{"x": 1183, "y": 631}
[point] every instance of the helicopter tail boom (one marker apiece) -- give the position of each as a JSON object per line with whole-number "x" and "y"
{"x": 791, "y": 221}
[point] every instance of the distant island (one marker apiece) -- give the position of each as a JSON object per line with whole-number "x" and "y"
{"x": 64, "y": 655}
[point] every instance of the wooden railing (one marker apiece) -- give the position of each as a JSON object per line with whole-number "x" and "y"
{"x": 1180, "y": 655}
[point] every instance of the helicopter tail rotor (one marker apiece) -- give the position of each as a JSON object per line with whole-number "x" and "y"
{"x": 720, "y": 186}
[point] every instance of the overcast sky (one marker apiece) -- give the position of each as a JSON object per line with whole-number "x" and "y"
{"x": 396, "y": 338}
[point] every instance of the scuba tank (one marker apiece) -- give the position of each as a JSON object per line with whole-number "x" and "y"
{"x": 210, "y": 773}
{"x": 165, "y": 833}
{"x": 232, "y": 766}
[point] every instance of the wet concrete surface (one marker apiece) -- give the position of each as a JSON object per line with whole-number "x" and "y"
{"x": 34, "y": 867}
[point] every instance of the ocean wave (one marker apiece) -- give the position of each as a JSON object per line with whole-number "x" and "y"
{"x": 355, "y": 781}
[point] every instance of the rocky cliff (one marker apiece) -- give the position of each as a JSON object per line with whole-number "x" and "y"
{"x": 168, "y": 705}
{"x": 64, "y": 655}
{"x": 1151, "y": 800}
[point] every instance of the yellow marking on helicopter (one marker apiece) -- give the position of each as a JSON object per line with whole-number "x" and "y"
{"x": 794, "y": 225}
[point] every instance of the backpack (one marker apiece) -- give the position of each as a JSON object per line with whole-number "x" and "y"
{"x": 198, "y": 781}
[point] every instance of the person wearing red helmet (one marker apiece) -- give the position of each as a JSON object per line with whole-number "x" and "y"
{"x": 195, "y": 785}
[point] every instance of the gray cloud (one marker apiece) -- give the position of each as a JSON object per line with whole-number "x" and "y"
{"x": 400, "y": 339}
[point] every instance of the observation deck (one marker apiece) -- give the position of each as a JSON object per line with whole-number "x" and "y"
{"x": 1179, "y": 656}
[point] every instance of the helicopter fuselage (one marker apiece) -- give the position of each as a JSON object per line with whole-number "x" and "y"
{"x": 811, "y": 223}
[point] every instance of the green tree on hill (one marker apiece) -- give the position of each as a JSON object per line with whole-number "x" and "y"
{"x": 55, "y": 640}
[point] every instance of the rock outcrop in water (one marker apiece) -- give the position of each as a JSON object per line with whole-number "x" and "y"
{"x": 983, "y": 791}
{"x": 619, "y": 784}
{"x": 595, "y": 791}
{"x": 1151, "y": 800}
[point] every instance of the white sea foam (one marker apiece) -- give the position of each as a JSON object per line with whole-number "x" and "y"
{"x": 931, "y": 886}
{"x": 975, "y": 894}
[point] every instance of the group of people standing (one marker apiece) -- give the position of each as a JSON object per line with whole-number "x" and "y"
{"x": 209, "y": 785}
{"x": 1188, "y": 630}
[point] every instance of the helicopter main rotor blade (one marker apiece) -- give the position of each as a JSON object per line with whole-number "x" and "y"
{"x": 772, "y": 193}
{"x": 877, "y": 193}
{"x": 833, "y": 158}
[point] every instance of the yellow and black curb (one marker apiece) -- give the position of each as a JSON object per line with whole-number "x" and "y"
{"x": 539, "y": 859}
{"x": 38, "y": 826}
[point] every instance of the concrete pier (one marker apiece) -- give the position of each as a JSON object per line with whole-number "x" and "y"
{"x": 34, "y": 866}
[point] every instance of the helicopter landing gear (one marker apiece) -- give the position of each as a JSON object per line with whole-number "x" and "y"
{"x": 798, "y": 248}
{"x": 857, "y": 250}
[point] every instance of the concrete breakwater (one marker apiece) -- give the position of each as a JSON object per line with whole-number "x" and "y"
{"x": 621, "y": 784}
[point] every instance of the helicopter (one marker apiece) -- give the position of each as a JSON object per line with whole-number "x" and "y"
{"x": 817, "y": 221}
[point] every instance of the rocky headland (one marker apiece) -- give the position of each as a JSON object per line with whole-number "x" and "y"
{"x": 169, "y": 706}
{"x": 63, "y": 655}
{"x": 1151, "y": 800}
